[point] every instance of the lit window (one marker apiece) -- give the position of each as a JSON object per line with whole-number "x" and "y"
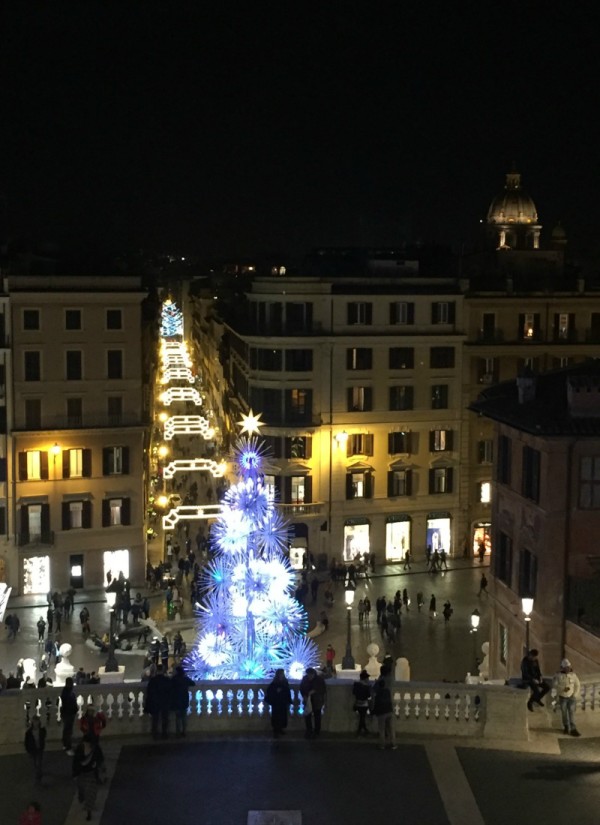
{"x": 76, "y": 514}
{"x": 485, "y": 492}
{"x": 75, "y": 463}
{"x": 33, "y": 464}
{"x": 115, "y": 511}
{"x": 529, "y": 325}
{"x": 297, "y": 490}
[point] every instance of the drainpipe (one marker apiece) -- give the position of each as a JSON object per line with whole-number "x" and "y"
{"x": 567, "y": 543}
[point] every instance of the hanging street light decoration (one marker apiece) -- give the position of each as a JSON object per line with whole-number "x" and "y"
{"x": 190, "y": 512}
{"x": 188, "y": 425}
{"x": 181, "y": 394}
{"x": 190, "y": 465}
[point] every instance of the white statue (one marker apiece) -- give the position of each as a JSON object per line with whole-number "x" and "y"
{"x": 373, "y": 666}
{"x": 64, "y": 668}
{"x": 484, "y": 667}
{"x": 402, "y": 673}
{"x": 30, "y": 669}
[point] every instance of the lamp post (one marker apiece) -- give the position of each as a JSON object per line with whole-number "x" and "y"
{"x": 475, "y": 619}
{"x": 111, "y": 666}
{"x": 527, "y": 606}
{"x": 348, "y": 662}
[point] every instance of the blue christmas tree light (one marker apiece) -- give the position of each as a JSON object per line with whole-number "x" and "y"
{"x": 249, "y": 624}
{"x": 171, "y": 320}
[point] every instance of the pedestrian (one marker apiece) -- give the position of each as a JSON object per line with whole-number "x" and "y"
{"x": 420, "y": 601}
{"x": 568, "y": 687}
{"x": 428, "y": 555}
{"x": 164, "y": 654}
{"x": 383, "y": 709}
{"x": 361, "y": 690}
{"x": 44, "y": 681}
{"x": 407, "y": 560}
{"x": 330, "y": 659}
{"x": 92, "y": 723}
{"x": 483, "y": 583}
{"x": 35, "y": 743}
{"x": 154, "y": 650}
{"x": 68, "y": 712}
{"x": 32, "y": 816}
{"x": 314, "y": 588}
{"x": 405, "y": 599}
{"x": 361, "y": 610}
{"x": 380, "y": 608}
{"x": 313, "y": 691}
{"x": 41, "y": 628}
{"x": 279, "y": 698}
{"x": 397, "y": 607}
{"x": 432, "y": 607}
{"x": 178, "y": 645}
{"x": 49, "y": 648}
{"x": 367, "y": 601}
{"x": 384, "y": 624}
{"x": 372, "y": 562}
{"x": 532, "y": 677}
{"x": 86, "y": 762}
{"x": 443, "y": 558}
{"x": 58, "y": 615}
{"x": 50, "y": 617}
{"x": 447, "y": 611}
{"x": 158, "y": 702}
{"x": 481, "y": 551}
{"x": 84, "y": 618}
{"x": 3, "y": 680}
{"x": 180, "y": 699}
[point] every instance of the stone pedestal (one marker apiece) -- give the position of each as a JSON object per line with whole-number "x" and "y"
{"x": 348, "y": 673}
{"x": 111, "y": 677}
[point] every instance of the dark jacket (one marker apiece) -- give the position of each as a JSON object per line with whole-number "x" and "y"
{"x": 68, "y": 701}
{"x": 361, "y": 691}
{"x": 180, "y": 691}
{"x": 83, "y": 764}
{"x": 530, "y": 670}
{"x": 318, "y": 688}
{"x": 32, "y": 746}
{"x": 278, "y": 694}
{"x": 382, "y": 698}
{"x": 158, "y": 694}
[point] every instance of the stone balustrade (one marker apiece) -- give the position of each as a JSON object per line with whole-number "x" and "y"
{"x": 228, "y": 707}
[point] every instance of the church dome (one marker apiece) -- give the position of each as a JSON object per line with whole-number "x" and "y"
{"x": 513, "y": 205}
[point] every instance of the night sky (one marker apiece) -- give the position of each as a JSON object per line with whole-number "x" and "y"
{"x": 192, "y": 128}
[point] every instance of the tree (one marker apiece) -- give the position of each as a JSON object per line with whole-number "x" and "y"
{"x": 249, "y": 623}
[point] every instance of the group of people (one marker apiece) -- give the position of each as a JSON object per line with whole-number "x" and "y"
{"x": 565, "y": 683}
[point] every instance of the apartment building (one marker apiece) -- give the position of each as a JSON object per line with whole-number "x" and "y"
{"x": 73, "y": 498}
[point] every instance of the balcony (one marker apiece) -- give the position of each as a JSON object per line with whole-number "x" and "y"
{"x": 85, "y": 422}
{"x": 31, "y": 540}
{"x": 305, "y": 510}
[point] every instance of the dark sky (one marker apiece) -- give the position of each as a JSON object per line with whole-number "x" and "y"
{"x": 191, "y": 127}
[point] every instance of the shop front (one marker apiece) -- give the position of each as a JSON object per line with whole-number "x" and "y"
{"x": 36, "y": 575}
{"x": 356, "y": 538}
{"x": 397, "y": 537}
{"x": 482, "y": 539}
{"x": 115, "y": 563}
{"x": 439, "y": 532}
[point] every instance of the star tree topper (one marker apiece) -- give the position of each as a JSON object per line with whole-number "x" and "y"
{"x": 251, "y": 423}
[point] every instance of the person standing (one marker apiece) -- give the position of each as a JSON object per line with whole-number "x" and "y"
{"x": 86, "y": 762}
{"x": 483, "y": 583}
{"x": 420, "y": 601}
{"x": 405, "y": 599}
{"x": 532, "y": 677}
{"x": 407, "y": 560}
{"x": 50, "y": 617}
{"x": 432, "y": 607}
{"x": 41, "y": 628}
{"x": 92, "y": 723}
{"x": 313, "y": 691}
{"x": 32, "y": 816}
{"x": 383, "y": 709}
{"x": 35, "y": 743}
{"x": 330, "y": 660}
{"x": 361, "y": 610}
{"x": 180, "y": 699}
{"x": 279, "y": 698}
{"x": 568, "y": 688}
{"x": 164, "y": 653}
{"x": 158, "y": 702}
{"x": 68, "y": 712}
{"x": 380, "y": 607}
{"x": 361, "y": 690}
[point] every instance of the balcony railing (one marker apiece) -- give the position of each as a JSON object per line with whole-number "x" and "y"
{"x": 74, "y": 422}
{"x": 219, "y": 707}
{"x": 301, "y": 509}
{"x": 46, "y": 537}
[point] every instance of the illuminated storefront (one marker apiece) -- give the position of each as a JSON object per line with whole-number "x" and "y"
{"x": 115, "y": 562}
{"x": 356, "y": 538}
{"x": 397, "y": 537}
{"x": 36, "y": 575}
{"x": 439, "y": 533}
{"x": 482, "y": 537}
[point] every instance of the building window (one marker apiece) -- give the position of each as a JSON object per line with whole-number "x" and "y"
{"x": 115, "y": 505}
{"x": 33, "y": 465}
{"x": 33, "y": 413}
{"x": 440, "y": 480}
{"x": 504, "y": 466}
{"x": 298, "y": 317}
{"x": 359, "y": 485}
{"x": 399, "y": 483}
{"x": 74, "y": 459}
{"x": 401, "y": 358}
{"x": 269, "y": 360}
{"x": 74, "y": 412}
{"x": 32, "y": 365}
{"x": 359, "y": 444}
{"x": 298, "y": 405}
{"x": 72, "y": 319}
{"x": 440, "y": 440}
{"x": 359, "y": 358}
{"x": 589, "y": 483}
{"x": 360, "y": 312}
{"x": 116, "y": 511}
{"x": 443, "y": 312}
{"x": 488, "y": 326}
{"x": 502, "y": 643}
{"x": 503, "y": 559}
{"x": 114, "y": 363}
{"x": 297, "y": 490}
{"x": 298, "y": 446}
{"x": 298, "y": 360}
{"x": 75, "y": 514}
{"x": 74, "y": 360}
{"x": 114, "y": 319}
{"x": 527, "y": 574}
{"x": 399, "y": 442}
{"x": 360, "y": 399}
{"x": 485, "y": 451}
{"x": 531, "y": 474}
{"x": 439, "y": 397}
{"x": 269, "y": 485}
{"x": 114, "y": 408}
{"x": 115, "y": 461}
{"x": 401, "y": 398}
{"x": 441, "y": 357}
{"x": 564, "y": 326}
{"x": 485, "y": 492}
{"x": 31, "y": 319}
{"x": 272, "y": 445}
{"x": 402, "y": 312}
{"x": 529, "y": 326}
{"x": 486, "y": 370}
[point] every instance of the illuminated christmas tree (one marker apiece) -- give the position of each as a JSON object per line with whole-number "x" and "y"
{"x": 249, "y": 623}
{"x": 171, "y": 325}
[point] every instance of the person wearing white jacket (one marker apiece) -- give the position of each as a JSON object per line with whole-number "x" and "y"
{"x": 567, "y": 686}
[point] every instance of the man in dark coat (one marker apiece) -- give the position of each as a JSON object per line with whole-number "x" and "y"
{"x": 180, "y": 698}
{"x": 68, "y": 712}
{"x": 532, "y": 676}
{"x": 158, "y": 702}
{"x": 313, "y": 690}
{"x": 35, "y": 742}
{"x": 279, "y": 697}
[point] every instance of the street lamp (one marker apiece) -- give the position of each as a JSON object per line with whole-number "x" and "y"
{"x": 475, "y": 619}
{"x": 348, "y": 662}
{"x": 527, "y": 607}
{"x": 111, "y": 666}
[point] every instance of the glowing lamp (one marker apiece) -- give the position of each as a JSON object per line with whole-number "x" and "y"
{"x": 349, "y": 597}
{"x": 163, "y": 450}
{"x": 475, "y": 619}
{"x": 162, "y": 501}
{"x": 527, "y": 605}
{"x": 55, "y": 449}
{"x": 342, "y": 438}
{"x": 111, "y": 598}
